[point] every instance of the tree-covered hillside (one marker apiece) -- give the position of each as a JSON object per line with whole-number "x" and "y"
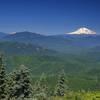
{"x": 20, "y": 84}
{"x": 81, "y": 68}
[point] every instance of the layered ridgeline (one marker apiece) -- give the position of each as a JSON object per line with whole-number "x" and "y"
{"x": 78, "y": 53}
{"x": 16, "y": 48}
{"x": 75, "y": 42}
{"x": 71, "y": 50}
{"x": 38, "y": 59}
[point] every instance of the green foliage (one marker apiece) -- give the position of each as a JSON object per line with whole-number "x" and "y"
{"x": 81, "y": 73}
{"x": 61, "y": 85}
{"x": 40, "y": 88}
{"x": 2, "y": 79}
{"x": 21, "y": 85}
{"x": 83, "y": 69}
{"x": 78, "y": 96}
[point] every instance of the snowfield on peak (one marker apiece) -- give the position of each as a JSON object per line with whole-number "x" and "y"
{"x": 83, "y": 30}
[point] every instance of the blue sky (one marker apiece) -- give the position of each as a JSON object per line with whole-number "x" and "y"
{"x": 49, "y": 16}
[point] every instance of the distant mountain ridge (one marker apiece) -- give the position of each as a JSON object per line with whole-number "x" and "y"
{"x": 67, "y": 43}
{"x": 15, "y": 48}
{"x": 76, "y": 52}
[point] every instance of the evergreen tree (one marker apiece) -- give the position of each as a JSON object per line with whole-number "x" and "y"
{"x": 21, "y": 85}
{"x": 40, "y": 88}
{"x": 2, "y": 79}
{"x": 61, "y": 86}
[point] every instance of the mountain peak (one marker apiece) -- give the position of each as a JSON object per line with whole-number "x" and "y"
{"x": 83, "y": 30}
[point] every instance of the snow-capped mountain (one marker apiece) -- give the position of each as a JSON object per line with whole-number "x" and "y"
{"x": 83, "y": 30}
{"x": 73, "y": 43}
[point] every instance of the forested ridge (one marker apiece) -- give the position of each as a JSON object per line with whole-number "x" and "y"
{"x": 20, "y": 85}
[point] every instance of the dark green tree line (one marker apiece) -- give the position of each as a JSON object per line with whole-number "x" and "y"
{"x": 21, "y": 84}
{"x": 61, "y": 86}
{"x": 2, "y": 78}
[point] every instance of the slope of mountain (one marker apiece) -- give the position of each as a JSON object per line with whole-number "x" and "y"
{"x": 67, "y": 43}
{"x": 15, "y": 48}
{"x": 23, "y": 37}
{"x": 22, "y": 48}
{"x": 50, "y": 42}
{"x": 93, "y": 54}
{"x": 83, "y": 30}
{"x": 37, "y": 58}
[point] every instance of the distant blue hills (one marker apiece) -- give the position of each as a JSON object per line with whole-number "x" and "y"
{"x": 50, "y": 54}
{"x": 66, "y": 43}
